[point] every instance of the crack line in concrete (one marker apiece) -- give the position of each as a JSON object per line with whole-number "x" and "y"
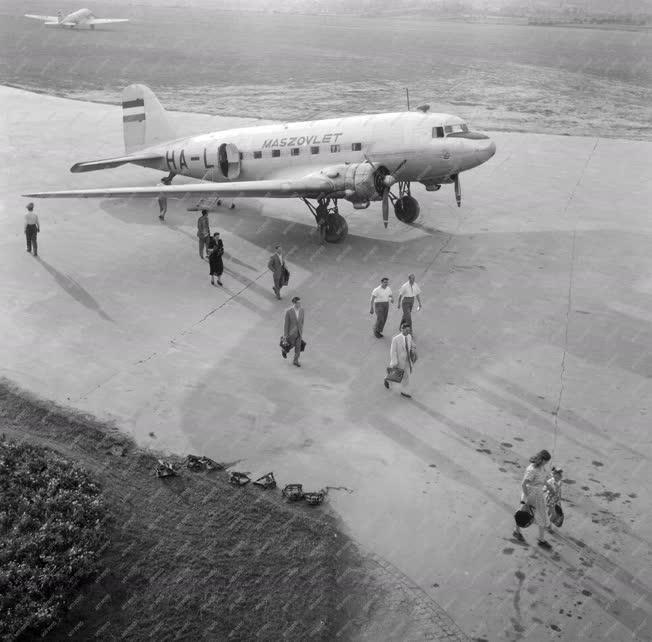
{"x": 172, "y": 341}
{"x": 569, "y": 304}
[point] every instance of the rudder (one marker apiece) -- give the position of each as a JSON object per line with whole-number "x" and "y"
{"x": 144, "y": 121}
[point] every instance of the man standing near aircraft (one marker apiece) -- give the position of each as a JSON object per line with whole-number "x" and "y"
{"x": 406, "y": 295}
{"x": 381, "y": 297}
{"x": 321, "y": 214}
{"x": 276, "y": 264}
{"x": 293, "y": 329}
{"x": 402, "y": 354}
{"x": 32, "y": 228}
{"x": 203, "y": 232}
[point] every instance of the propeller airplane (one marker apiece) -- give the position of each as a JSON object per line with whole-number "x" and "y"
{"x": 356, "y": 158}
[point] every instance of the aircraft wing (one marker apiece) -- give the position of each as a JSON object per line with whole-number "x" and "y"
{"x": 308, "y": 187}
{"x": 44, "y": 18}
{"x": 105, "y": 21}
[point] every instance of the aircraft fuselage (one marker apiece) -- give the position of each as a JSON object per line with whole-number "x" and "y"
{"x": 418, "y": 142}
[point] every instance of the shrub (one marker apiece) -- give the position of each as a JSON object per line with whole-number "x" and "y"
{"x": 52, "y": 530}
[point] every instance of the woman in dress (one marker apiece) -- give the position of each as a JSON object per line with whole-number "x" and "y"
{"x": 532, "y": 486}
{"x": 215, "y": 251}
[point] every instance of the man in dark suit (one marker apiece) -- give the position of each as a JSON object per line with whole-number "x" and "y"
{"x": 293, "y": 329}
{"x": 276, "y": 264}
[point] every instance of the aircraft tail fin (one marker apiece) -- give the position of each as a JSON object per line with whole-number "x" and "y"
{"x": 144, "y": 121}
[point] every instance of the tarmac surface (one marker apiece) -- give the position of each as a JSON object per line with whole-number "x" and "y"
{"x": 535, "y": 333}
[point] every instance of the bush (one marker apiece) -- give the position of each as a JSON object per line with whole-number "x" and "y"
{"x": 52, "y": 529}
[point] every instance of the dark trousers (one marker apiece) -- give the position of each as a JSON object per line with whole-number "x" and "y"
{"x": 296, "y": 343}
{"x": 30, "y": 236}
{"x": 382, "y": 310}
{"x": 407, "y": 303}
{"x": 278, "y": 280}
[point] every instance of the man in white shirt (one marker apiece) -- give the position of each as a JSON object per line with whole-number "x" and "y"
{"x": 406, "y": 295}
{"x": 402, "y": 354}
{"x": 32, "y": 228}
{"x": 381, "y": 297}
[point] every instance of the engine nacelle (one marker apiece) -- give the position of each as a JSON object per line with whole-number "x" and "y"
{"x": 356, "y": 182}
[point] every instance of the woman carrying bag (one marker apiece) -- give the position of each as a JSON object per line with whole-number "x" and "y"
{"x": 532, "y": 486}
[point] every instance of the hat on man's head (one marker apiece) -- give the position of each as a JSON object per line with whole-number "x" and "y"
{"x": 295, "y": 299}
{"x": 30, "y": 206}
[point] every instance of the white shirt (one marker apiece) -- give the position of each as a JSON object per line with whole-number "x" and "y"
{"x": 409, "y": 290}
{"x": 382, "y": 294}
{"x": 31, "y": 219}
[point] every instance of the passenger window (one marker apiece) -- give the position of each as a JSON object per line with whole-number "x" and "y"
{"x": 356, "y": 147}
{"x": 314, "y": 150}
{"x": 294, "y": 151}
{"x": 276, "y": 153}
{"x": 335, "y": 148}
{"x": 437, "y": 132}
{"x": 258, "y": 154}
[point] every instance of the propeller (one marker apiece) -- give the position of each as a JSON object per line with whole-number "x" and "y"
{"x": 384, "y": 180}
{"x": 458, "y": 190}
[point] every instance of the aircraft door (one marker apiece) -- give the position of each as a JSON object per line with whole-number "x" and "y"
{"x": 228, "y": 158}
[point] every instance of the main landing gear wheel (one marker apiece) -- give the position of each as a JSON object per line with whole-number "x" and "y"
{"x": 406, "y": 209}
{"x": 336, "y": 229}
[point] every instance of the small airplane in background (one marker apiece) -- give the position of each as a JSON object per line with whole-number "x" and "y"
{"x": 79, "y": 18}
{"x": 357, "y": 158}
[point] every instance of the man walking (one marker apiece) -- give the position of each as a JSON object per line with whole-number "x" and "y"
{"x": 276, "y": 264}
{"x": 406, "y": 295}
{"x": 402, "y": 354}
{"x": 381, "y": 297}
{"x": 203, "y": 232}
{"x": 293, "y": 329}
{"x": 162, "y": 206}
{"x": 32, "y": 228}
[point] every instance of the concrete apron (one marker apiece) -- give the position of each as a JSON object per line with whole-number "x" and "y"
{"x": 535, "y": 334}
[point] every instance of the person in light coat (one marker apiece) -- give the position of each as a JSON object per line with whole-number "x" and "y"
{"x": 402, "y": 354}
{"x": 293, "y": 329}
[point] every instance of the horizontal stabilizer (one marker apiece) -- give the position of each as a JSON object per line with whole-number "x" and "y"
{"x": 109, "y": 163}
{"x": 40, "y": 17}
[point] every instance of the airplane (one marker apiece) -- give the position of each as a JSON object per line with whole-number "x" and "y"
{"x": 79, "y": 18}
{"x": 355, "y": 158}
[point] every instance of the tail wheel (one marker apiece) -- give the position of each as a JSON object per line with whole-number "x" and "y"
{"x": 406, "y": 209}
{"x": 336, "y": 228}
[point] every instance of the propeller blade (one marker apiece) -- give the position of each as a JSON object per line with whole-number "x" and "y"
{"x": 385, "y": 206}
{"x": 458, "y": 191}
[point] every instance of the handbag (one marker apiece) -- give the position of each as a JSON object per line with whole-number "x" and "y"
{"x": 285, "y": 345}
{"x": 557, "y": 517}
{"x": 395, "y": 375}
{"x": 524, "y": 516}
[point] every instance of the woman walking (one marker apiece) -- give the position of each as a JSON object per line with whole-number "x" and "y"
{"x": 215, "y": 251}
{"x": 533, "y": 485}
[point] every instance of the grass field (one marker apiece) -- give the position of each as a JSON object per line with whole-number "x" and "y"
{"x": 192, "y": 557}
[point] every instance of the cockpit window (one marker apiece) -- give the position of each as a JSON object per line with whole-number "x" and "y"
{"x": 437, "y": 132}
{"x": 448, "y": 129}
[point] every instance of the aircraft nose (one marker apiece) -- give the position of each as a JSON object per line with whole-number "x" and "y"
{"x": 486, "y": 150}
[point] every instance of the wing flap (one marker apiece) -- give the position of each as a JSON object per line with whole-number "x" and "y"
{"x": 109, "y": 163}
{"x": 309, "y": 187}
